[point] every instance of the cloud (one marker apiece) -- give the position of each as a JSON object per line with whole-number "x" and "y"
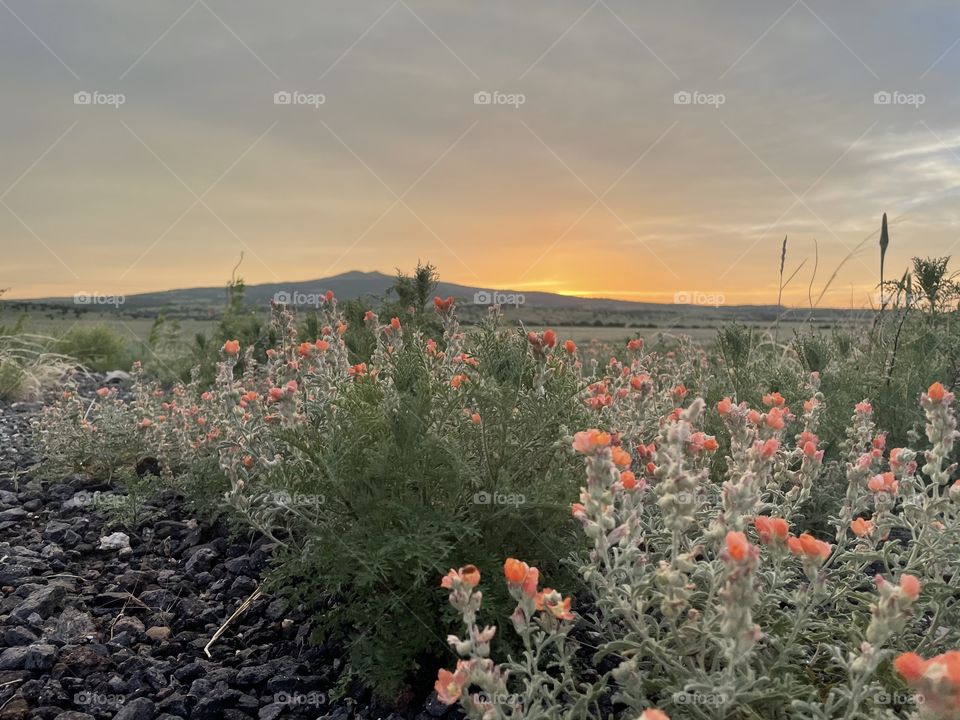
{"x": 399, "y": 163}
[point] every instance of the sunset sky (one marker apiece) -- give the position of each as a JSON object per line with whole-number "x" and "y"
{"x": 596, "y": 180}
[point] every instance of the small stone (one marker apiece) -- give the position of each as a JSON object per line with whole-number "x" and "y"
{"x": 139, "y": 709}
{"x": 14, "y": 658}
{"x": 43, "y": 602}
{"x": 115, "y": 541}
{"x": 16, "y": 709}
{"x": 40, "y": 657}
{"x": 128, "y": 624}
{"x": 158, "y": 634}
{"x": 16, "y": 636}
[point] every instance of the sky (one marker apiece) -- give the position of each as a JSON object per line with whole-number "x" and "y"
{"x": 646, "y": 151}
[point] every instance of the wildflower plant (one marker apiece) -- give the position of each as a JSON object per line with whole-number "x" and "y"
{"x": 699, "y": 605}
{"x": 704, "y": 576}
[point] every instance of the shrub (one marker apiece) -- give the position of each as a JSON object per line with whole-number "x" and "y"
{"x": 704, "y": 604}
{"x": 96, "y": 347}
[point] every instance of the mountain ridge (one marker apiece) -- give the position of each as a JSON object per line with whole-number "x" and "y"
{"x": 355, "y": 284}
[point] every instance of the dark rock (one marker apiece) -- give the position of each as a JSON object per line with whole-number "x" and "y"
{"x": 43, "y": 602}
{"x": 139, "y": 709}
{"x": 40, "y": 657}
{"x": 14, "y": 636}
{"x": 14, "y": 658}
{"x": 434, "y": 707}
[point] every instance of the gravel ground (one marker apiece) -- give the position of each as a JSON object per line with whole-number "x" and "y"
{"x": 96, "y": 624}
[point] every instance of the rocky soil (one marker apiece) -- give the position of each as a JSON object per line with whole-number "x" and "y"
{"x": 102, "y": 621}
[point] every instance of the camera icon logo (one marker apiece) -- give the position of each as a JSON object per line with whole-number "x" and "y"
{"x": 282, "y": 297}
{"x": 82, "y": 98}
{"x": 682, "y": 98}
{"x": 681, "y": 298}
{"x": 482, "y": 498}
{"x": 282, "y": 97}
{"x": 482, "y": 98}
{"x": 82, "y": 298}
{"x": 482, "y": 297}
{"x": 882, "y": 98}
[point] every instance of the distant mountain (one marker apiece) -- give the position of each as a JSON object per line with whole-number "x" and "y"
{"x": 356, "y": 284}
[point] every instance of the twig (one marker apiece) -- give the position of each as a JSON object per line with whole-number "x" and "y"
{"x": 236, "y": 613}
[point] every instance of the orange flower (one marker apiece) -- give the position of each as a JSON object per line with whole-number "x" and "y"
{"x": 773, "y": 398}
{"x": 515, "y": 570}
{"x": 774, "y": 419}
{"x": 883, "y": 483}
{"x": 586, "y": 441}
{"x": 635, "y": 344}
{"x": 910, "y": 666}
{"x": 769, "y": 448}
{"x": 724, "y": 407}
{"x": 146, "y": 422}
{"x": 570, "y": 346}
{"x": 862, "y": 527}
{"x": 306, "y": 349}
{"x": 358, "y": 370}
{"x": 457, "y": 380}
{"x": 468, "y": 575}
{"x": 449, "y": 685}
{"x": 322, "y": 345}
{"x": 910, "y": 586}
{"x": 519, "y": 573}
{"x": 549, "y": 338}
{"x": 628, "y": 480}
{"x": 578, "y": 510}
{"x": 395, "y": 323}
{"x": 231, "y": 347}
{"x": 621, "y": 458}
{"x": 770, "y": 529}
{"x": 936, "y": 392}
{"x": 247, "y": 461}
{"x": 653, "y": 714}
{"x": 738, "y": 547}
{"x": 546, "y": 600}
{"x": 809, "y": 546}
{"x": 710, "y": 444}
{"x": 442, "y": 305}
{"x": 103, "y": 392}
{"x": 475, "y": 418}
